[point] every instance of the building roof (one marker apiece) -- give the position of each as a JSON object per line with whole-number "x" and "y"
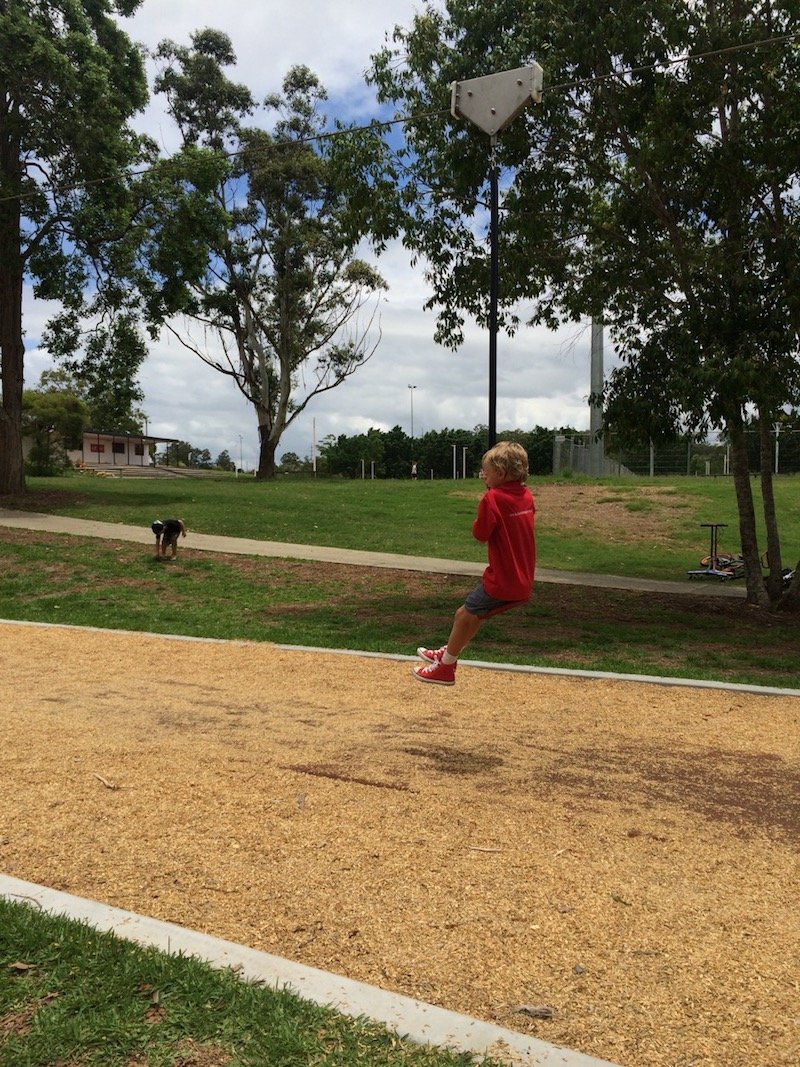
{"x": 131, "y": 436}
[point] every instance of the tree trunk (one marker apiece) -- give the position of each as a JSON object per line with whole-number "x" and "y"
{"x": 775, "y": 578}
{"x": 266, "y": 455}
{"x": 12, "y": 477}
{"x": 12, "y": 348}
{"x": 756, "y": 590}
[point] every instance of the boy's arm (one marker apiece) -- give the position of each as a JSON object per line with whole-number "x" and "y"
{"x": 485, "y": 521}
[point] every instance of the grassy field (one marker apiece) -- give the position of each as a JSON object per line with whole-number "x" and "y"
{"x": 633, "y": 530}
{"x": 71, "y": 995}
{"x": 656, "y": 534}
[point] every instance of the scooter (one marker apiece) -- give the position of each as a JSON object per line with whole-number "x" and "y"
{"x": 720, "y": 566}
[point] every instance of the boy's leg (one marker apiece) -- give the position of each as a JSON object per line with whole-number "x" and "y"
{"x": 465, "y": 626}
{"x": 441, "y": 663}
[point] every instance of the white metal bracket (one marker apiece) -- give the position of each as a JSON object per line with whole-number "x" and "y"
{"x": 495, "y": 100}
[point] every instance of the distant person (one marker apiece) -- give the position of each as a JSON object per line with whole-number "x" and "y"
{"x": 414, "y": 469}
{"x": 505, "y": 523}
{"x": 167, "y": 534}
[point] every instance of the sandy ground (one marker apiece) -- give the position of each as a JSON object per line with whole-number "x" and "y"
{"x": 624, "y": 854}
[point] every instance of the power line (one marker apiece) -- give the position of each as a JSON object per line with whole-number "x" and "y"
{"x": 375, "y": 125}
{"x": 665, "y": 64}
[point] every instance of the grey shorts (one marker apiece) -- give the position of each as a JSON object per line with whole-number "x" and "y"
{"x": 481, "y": 604}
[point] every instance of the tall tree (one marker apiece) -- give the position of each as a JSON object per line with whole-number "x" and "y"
{"x": 54, "y": 419}
{"x": 104, "y": 374}
{"x": 284, "y": 294}
{"x": 70, "y": 79}
{"x": 653, "y": 190}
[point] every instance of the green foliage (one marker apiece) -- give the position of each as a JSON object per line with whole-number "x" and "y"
{"x": 224, "y": 462}
{"x": 656, "y": 195}
{"x": 292, "y": 464}
{"x": 183, "y": 454}
{"x": 70, "y": 80}
{"x": 107, "y": 376}
{"x": 392, "y": 452}
{"x": 55, "y": 421}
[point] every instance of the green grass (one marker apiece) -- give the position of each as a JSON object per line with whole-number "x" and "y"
{"x": 423, "y": 518}
{"x": 87, "y": 582}
{"x": 72, "y": 995}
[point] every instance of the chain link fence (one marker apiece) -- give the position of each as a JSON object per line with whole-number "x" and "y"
{"x": 579, "y": 454}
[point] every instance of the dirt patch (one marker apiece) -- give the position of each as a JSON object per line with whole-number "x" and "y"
{"x": 615, "y": 514}
{"x": 624, "y": 854}
{"x": 16, "y": 1022}
{"x": 191, "y": 1054}
{"x": 620, "y": 516}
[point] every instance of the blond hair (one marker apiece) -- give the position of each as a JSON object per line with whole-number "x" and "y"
{"x": 510, "y": 459}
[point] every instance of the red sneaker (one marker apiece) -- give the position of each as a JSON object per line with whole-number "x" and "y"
{"x": 438, "y": 672}
{"x": 431, "y": 654}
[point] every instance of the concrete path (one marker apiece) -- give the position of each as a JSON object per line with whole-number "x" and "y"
{"x": 27, "y": 520}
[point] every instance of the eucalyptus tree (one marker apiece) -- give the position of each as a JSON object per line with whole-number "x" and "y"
{"x": 655, "y": 187}
{"x": 288, "y": 305}
{"x": 70, "y": 81}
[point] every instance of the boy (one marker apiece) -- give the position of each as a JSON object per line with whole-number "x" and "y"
{"x": 505, "y": 523}
{"x": 167, "y": 534}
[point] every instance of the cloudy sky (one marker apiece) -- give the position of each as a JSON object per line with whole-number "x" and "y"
{"x": 543, "y": 378}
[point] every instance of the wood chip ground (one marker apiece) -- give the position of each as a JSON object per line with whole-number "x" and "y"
{"x": 623, "y": 854}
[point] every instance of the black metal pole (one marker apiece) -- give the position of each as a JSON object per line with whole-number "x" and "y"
{"x": 493, "y": 287}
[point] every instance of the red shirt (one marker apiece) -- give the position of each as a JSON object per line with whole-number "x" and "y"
{"x": 505, "y": 521}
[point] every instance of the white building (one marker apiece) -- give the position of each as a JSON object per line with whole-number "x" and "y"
{"x": 102, "y": 449}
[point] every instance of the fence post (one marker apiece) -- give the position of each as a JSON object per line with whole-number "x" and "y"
{"x": 558, "y": 441}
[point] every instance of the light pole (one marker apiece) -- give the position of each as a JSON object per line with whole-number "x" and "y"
{"x": 492, "y": 103}
{"x": 411, "y": 394}
{"x": 777, "y": 445}
{"x": 241, "y": 464}
{"x": 596, "y": 445}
